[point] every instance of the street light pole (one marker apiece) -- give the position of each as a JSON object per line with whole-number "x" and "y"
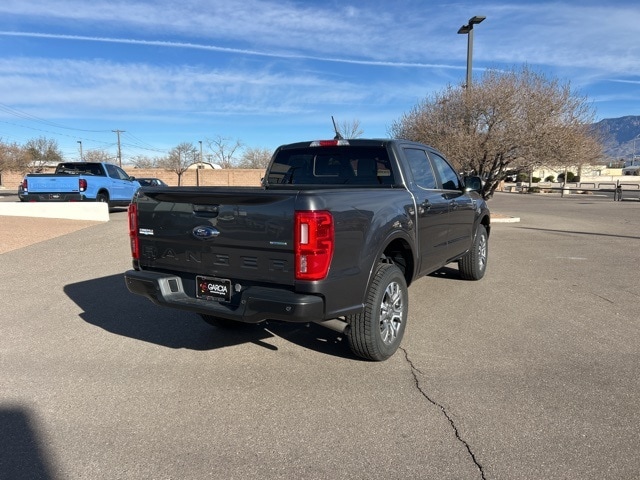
{"x": 80, "y": 142}
{"x": 468, "y": 30}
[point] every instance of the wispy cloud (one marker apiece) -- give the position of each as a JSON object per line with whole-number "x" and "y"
{"x": 112, "y": 86}
{"x": 214, "y": 48}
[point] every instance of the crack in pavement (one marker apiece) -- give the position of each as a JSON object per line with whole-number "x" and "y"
{"x": 414, "y": 372}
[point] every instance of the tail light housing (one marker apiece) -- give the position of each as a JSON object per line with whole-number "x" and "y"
{"x": 82, "y": 184}
{"x": 25, "y": 185}
{"x": 132, "y": 211}
{"x": 314, "y": 244}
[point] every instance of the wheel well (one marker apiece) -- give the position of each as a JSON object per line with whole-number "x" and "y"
{"x": 485, "y": 221}
{"x": 399, "y": 253}
{"x": 104, "y": 192}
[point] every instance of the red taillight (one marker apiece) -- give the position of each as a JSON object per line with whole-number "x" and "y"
{"x": 82, "y": 184}
{"x": 25, "y": 185}
{"x": 329, "y": 143}
{"x": 133, "y": 230}
{"x": 314, "y": 242}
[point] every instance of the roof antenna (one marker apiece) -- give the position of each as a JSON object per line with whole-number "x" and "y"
{"x": 335, "y": 128}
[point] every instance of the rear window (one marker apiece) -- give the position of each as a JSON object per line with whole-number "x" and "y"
{"x": 338, "y": 165}
{"x": 77, "y": 168}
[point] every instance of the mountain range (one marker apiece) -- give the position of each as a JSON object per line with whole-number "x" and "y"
{"x": 620, "y": 136}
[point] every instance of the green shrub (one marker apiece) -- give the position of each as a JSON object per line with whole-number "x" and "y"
{"x": 550, "y": 178}
{"x": 570, "y": 177}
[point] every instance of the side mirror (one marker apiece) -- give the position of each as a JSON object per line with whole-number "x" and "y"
{"x": 473, "y": 184}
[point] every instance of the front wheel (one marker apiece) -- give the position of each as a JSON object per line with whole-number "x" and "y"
{"x": 474, "y": 263}
{"x": 376, "y": 333}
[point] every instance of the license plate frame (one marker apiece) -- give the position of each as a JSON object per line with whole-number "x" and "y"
{"x": 213, "y": 288}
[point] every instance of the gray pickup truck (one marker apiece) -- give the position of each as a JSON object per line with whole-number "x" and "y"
{"x": 335, "y": 235}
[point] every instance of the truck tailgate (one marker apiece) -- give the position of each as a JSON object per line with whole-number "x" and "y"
{"x": 244, "y": 234}
{"x": 53, "y": 183}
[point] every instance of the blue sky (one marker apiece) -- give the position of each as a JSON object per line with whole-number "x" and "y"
{"x": 271, "y": 72}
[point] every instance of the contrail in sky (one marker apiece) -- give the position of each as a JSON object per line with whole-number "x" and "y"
{"x": 196, "y": 46}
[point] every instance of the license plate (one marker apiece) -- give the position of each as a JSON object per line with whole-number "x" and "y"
{"x": 54, "y": 196}
{"x": 213, "y": 288}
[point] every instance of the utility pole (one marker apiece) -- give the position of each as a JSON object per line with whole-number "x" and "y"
{"x": 118, "y": 132}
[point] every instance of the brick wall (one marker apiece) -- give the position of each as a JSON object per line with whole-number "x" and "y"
{"x": 236, "y": 177}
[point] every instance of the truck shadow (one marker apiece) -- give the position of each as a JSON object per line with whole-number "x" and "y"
{"x": 107, "y": 303}
{"x": 447, "y": 272}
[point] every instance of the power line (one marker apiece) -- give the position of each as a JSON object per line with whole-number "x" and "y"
{"x": 28, "y": 116}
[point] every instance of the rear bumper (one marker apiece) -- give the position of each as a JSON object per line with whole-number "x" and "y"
{"x": 54, "y": 197}
{"x": 256, "y": 304}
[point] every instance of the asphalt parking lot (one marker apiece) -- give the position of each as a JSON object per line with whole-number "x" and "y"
{"x": 531, "y": 373}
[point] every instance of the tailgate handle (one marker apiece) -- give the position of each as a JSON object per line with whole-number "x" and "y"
{"x": 207, "y": 211}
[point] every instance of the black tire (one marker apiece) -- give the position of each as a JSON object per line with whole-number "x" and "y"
{"x": 474, "y": 263}
{"x": 222, "y": 322}
{"x": 376, "y": 333}
{"x": 102, "y": 197}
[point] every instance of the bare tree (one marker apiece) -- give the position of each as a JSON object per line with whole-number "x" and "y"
{"x": 43, "y": 151}
{"x": 180, "y": 158}
{"x": 349, "y": 129}
{"x": 142, "y": 161}
{"x": 255, "y": 158}
{"x": 224, "y": 150}
{"x": 13, "y": 157}
{"x": 510, "y": 120}
{"x": 98, "y": 156}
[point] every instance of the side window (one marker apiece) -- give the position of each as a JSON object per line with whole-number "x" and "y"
{"x": 420, "y": 167}
{"x": 115, "y": 172}
{"x": 122, "y": 175}
{"x": 448, "y": 176}
{"x": 111, "y": 171}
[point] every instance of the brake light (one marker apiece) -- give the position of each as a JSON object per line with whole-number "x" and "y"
{"x": 314, "y": 243}
{"x": 329, "y": 143}
{"x": 82, "y": 184}
{"x": 25, "y": 185}
{"x": 133, "y": 230}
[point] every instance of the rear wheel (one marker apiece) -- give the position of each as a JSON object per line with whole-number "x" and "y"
{"x": 102, "y": 197}
{"x": 474, "y": 263}
{"x": 376, "y": 333}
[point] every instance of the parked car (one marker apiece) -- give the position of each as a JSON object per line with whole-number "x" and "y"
{"x": 151, "y": 182}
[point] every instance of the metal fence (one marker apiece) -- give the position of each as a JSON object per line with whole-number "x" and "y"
{"x": 621, "y": 190}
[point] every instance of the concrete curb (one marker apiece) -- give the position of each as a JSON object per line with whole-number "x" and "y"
{"x": 504, "y": 219}
{"x": 95, "y": 211}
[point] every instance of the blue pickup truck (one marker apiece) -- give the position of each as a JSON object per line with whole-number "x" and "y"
{"x": 80, "y": 182}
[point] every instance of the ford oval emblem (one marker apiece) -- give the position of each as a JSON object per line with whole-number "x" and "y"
{"x": 205, "y": 232}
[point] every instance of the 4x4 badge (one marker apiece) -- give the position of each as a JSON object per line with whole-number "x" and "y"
{"x": 205, "y": 232}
